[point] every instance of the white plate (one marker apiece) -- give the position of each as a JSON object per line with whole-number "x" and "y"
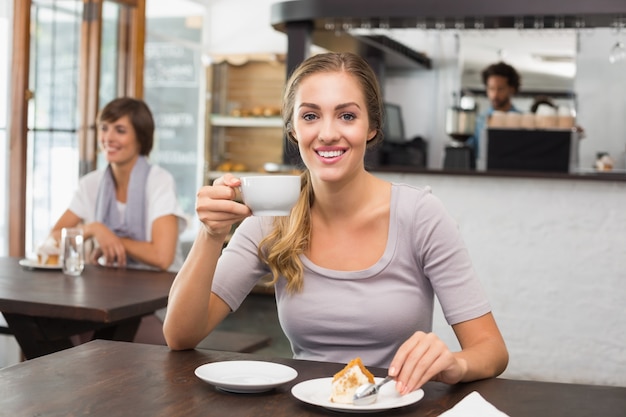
{"x": 32, "y": 263}
{"x": 317, "y": 392}
{"x": 245, "y": 376}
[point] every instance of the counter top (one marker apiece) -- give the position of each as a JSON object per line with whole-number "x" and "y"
{"x": 581, "y": 175}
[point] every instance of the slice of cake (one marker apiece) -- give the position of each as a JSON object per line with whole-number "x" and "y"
{"x": 48, "y": 252}
{"x": 346, "y": 381}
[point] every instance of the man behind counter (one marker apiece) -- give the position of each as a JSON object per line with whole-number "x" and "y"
{"x": 502, "y": 82}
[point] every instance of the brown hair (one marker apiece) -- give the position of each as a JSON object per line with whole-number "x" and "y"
{"x": 140, "y": 118}
{"x": 281, "y": 249}
{"x": 502, "y": 69}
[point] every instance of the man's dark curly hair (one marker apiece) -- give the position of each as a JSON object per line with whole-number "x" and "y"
{"x": 503, "y": 70}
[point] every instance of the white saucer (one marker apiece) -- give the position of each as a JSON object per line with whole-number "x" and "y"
{"x": 317, "y": 392}
{"x": 245, "y": 376}
{"x": 33, "y": 264}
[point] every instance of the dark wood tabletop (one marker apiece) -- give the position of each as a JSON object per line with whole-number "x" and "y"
{"x": 44, "y": 308}
{"x": 107, "y": 378}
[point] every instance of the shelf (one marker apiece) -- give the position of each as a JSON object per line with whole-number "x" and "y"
{"x": 230, "y": 121}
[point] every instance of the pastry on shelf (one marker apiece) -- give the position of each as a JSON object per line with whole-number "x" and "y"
{"x": 228, "y": 166}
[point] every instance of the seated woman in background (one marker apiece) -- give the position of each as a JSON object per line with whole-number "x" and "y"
{"x": 130, "y": 208}
{"x": 359, "y": 260}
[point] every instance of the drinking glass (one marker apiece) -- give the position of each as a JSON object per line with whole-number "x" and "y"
{"x": 72, "y": 251}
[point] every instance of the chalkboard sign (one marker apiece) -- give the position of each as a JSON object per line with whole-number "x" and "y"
{"x": 169, "y": 64}
{"x": 173, "y": 92}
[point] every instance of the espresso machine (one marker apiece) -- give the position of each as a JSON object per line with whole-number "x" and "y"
{"x": 460, "y": 124}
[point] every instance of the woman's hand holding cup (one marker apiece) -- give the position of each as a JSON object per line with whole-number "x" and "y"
{"x": 217, "y": 206}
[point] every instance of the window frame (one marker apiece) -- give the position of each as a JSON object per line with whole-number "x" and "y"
{"x": 130, "y": 72}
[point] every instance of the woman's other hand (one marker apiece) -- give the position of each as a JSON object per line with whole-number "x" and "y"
{"x": 109, "y": 245}
{"x": 217, "y": 206}
{"x": 422, "y": 358}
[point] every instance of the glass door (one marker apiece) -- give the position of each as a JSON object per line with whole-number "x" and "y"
{"x": 79, "y": 54}
{"x": 53, "y": 115}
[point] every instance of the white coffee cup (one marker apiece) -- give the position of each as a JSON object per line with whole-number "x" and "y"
{"x": 270, "y": 195}
{"x": 72, "y": 251}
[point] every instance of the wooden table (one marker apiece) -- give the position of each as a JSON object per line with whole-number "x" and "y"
{"x": 44, "y": 308}
{"x": 107, "y": 378}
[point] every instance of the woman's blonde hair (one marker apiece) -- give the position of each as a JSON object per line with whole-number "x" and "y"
{"x": 290, "y": 237}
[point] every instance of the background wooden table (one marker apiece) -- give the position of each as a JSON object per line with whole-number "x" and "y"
{"x": 105, "y": 378}
{"x": 44, "y": 308}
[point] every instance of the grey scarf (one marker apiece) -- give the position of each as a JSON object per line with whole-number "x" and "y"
{"x": 133, "y": 225}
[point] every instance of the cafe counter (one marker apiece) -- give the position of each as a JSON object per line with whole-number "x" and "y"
{"x": 580, "y": 174}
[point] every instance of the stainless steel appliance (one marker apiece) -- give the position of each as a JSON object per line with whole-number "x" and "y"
{"x": 460, "y": 125}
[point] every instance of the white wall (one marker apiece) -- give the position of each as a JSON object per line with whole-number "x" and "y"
{"x": 242, "y": 26}
{"x": 552, "y": 257}
{"x": 601, "y": 89}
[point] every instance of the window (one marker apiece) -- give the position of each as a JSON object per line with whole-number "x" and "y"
{"x": 53, "y": 160}
{"x": 71, "y": 57}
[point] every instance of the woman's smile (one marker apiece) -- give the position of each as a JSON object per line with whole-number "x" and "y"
{"x": 329, "y": 155}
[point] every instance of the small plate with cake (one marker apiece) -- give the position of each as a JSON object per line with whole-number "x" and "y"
{"x": 245, "y": 377}
{"x": 35, "y": 264}
{"x": 336, "y": 393}
{"x": 48, "y": 256}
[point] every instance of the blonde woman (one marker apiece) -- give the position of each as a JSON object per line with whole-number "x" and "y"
{"x": 354, "y": 244}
